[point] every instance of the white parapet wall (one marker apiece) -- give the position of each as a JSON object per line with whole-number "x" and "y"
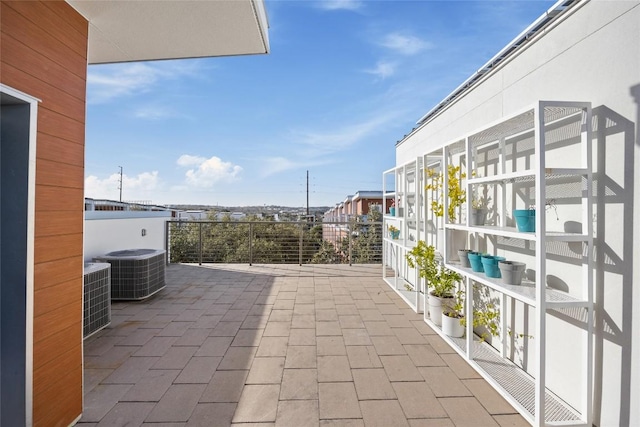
{"x": 107, "y": 231}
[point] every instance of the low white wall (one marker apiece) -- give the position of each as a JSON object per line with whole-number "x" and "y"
{"x": 106, "y": 231}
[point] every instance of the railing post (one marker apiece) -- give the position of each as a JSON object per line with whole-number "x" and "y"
{"x": 166, "y": 241}
{"x": 200, "y": 243}
{"x": 300, "y": 246}
{"x": 350, "y": 243}
{"x": 251, "y": 243}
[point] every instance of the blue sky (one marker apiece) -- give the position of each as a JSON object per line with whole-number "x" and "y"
{"x": 344, "y": 81}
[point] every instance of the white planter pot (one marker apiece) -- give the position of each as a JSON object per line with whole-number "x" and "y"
{"x": 435, "y": 307}
{"x": 451, "y": 326}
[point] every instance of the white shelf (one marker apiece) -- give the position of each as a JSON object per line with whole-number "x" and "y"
{"x": 512, "y": 382}
{"x": 526, "y": 292}
{"x": 522, "y": 179}
{"x": 512, "y": 232}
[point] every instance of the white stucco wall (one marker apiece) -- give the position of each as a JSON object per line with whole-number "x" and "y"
{"x": 592, "y": 55}
{"x": 106, "y": 231}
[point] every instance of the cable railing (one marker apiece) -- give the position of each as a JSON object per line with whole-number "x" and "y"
{"x": 272, "y": 242}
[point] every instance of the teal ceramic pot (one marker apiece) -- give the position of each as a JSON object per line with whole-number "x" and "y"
{"x": 490, "y": 265}
{"x": 525, "y": 219}
{"x": 475, "y": 261}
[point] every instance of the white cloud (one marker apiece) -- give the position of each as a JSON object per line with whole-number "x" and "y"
{"x": 113, "y": 81}
{"x": 404, "y": 44}
{"x": 341, "y": 4}
{"x": 383, "y": 69}
{"x": 139, "y": 187}
{"x": 152, "y": 112}
{"x": 204, "y": 173}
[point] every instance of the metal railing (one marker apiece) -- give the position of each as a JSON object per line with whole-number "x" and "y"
{"x": 271, "y": 242}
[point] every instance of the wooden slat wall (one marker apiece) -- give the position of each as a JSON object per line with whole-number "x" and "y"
{"x": 44, "y": 54}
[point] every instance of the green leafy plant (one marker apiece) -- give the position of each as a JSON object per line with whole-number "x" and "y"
{"x": 440, "y": 279}
{"x": 457, "y": 196}
{"x": 392, "y": 229}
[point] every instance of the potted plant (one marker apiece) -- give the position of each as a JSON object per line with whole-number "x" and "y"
{"x": 392, "y": 208}
{"x": 457, "y": 196}
{"x": 394, "y": 233}
{"x": 453, "y": 317}
{"x": 440, "y": 280}
{"x": 479, "y": 206}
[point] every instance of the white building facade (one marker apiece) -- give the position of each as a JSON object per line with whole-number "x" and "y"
{"x": 590, "y": 53}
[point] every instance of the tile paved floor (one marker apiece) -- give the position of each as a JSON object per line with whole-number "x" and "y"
{"x": 279, "y": 346}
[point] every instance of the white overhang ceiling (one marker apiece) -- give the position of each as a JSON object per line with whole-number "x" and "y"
{"x": 140, "y": 30}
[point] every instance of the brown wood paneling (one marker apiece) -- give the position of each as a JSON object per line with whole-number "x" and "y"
{"x": 60, "y": 29}
{"x": 59, "y": 150}
{"x": 50, "y": 248}
{"x": 58, "y": 223}
{"x": 53, "y": 297}
{"x": 67, "y": 316}
{"x": 44, "y": 48}
{"x": 52, "y": 97}
{"x": 55, "y": 406}
{"x": 18, "y": 26}
{"x": 61, "y": 126}
{"x": 77, "y": 21}
{"x": 59, "y": 174}
{"x": 56, "y": 345}
{"x": 51, "y": 273}
{"x": 50, "y": 199}
{"x": 28, "y": 60}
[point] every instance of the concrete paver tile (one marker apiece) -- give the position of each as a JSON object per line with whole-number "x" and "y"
{"x": 300, "y": 413}
{"x": 488, "y": 397}
{"x": 237, "y": 358}
{"x": 331, "y": 346}
{"x": 277, "y": 329}
{"x": 192, "y": 337}
{"x": 299, "y": 384}
{"x": 214, "y": 346}
{"x": 409, "y": 336}
{"x": 302, "y": 336}
{"x": 266, "y": 370}
{"x": 467, "y": 412}
{"x": 328, "y": 328}
{"x": 131, "y": 370}
{"x": 177, "y": 404}
{"x": 258, "y": 403}
{"x": 424, "y": 355}
{"x": 346, "y": 422}
{"x": 301, "y": 357}
{"x": 372, "y": 384}
{"x": 383, "y": 413}
{"x": 418, "y": 401}
{"x": 334, "y": 369}
{"x": 99, "y": 401}
{"x": 356, "y": 337}
{"x": 151, "y": 386}
{"x": 247, "y": 338}
{"x": 225, "y": 386}
{"x": 175, "y": 358}
{"x": 338, "y": 400}
{"x": 363, "y": 357}
{"x": 443, "y": 382}
{"x": 127, "y": 413}
{"x": 272, "y": 347}
{"x": 459, "y": 366}
{"x": 212, "y": 415}
{"x": 510, "y": 420}
{"x": 388, "y": 346}
{"x": 400, "y": 368}
{"x": 199, "y": 370}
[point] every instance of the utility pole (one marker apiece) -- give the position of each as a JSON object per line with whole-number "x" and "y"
{"x": 307, "y": 195}
{"x": 120, "y": 186}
